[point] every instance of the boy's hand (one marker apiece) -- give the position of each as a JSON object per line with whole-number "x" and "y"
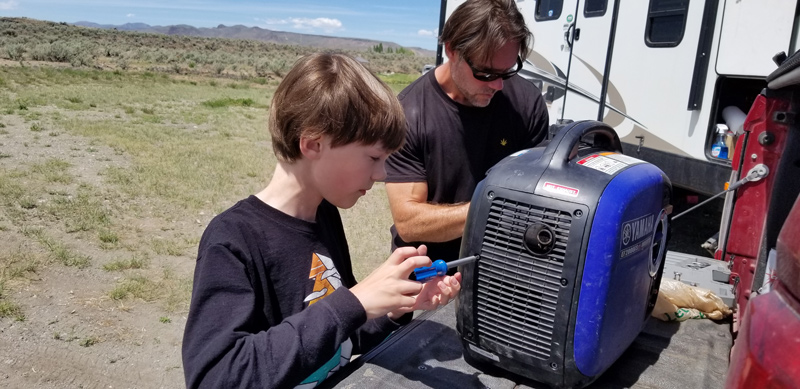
{"x": 434, "y": 294}
{"x": 388, "y": 288}
{"x": 437, "y": 293}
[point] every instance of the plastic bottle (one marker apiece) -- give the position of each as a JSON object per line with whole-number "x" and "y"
{"x": 719, "y": 149}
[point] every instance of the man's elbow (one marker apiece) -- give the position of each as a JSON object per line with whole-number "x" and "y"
{"x": 405, "y": 230}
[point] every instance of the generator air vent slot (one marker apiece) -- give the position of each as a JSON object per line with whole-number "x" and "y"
{"x": 517, "y": 290}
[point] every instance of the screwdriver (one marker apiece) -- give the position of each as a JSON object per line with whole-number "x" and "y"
{"x": 439, "y": 268}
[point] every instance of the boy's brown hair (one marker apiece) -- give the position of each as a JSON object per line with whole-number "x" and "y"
{"x": 479, "y": 27}
{"x": 332, "y": 94}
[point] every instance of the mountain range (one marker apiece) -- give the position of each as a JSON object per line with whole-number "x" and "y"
{"x": 260, "y": 34}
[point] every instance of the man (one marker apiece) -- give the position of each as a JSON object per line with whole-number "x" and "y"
{"x": 463, "y": 117}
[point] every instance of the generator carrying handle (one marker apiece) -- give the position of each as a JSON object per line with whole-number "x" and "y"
{"x": 564, "y": 145}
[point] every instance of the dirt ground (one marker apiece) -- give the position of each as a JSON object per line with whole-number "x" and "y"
{"x": 73, "y": 334}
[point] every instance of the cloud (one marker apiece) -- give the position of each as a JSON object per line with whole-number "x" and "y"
{"x": 325, "y": 24}
{"x": 8, "y": 5}
{"x": 272, "y": 21}
{"x": 130, "y": 15}
{"x": 424, "y": 32}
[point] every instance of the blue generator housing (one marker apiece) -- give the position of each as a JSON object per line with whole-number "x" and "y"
{"x": 571, "y": 240}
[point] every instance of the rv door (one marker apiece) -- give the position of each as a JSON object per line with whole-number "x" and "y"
{"x": 571, "y": 46}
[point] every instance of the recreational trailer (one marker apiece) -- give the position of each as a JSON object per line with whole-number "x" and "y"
{"x": 672, "y": 77}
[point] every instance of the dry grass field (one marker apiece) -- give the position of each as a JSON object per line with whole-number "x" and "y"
{"x": 108, "y": 177}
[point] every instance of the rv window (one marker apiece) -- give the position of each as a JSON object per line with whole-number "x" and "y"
{"x": 666, "y": 21}
{"x": 595, "y": 8}
{"x": 548, "y": 10}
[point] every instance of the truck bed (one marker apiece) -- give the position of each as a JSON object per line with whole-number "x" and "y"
{"x": 427, "y": 353}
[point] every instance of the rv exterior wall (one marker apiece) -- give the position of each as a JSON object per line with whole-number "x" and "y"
{"x": 751, "y": 33}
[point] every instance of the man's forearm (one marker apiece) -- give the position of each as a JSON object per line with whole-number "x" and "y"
{"x": 431, "y": 222}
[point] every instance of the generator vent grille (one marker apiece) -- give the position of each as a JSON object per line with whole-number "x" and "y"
{"x": 517, "y": 291}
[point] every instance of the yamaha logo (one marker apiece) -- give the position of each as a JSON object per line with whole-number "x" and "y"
{"x": 626, "y": 234}
{"x": 634, "y": 233}
{"x": 636, "y": 229}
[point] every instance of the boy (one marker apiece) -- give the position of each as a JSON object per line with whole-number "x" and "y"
{"x": 275, "y": 302}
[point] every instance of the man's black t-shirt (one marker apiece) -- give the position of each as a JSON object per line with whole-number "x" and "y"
{"x": 451, "y": 146}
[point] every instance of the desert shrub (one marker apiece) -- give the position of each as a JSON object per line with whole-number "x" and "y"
{"x": 82, "y": 46}
{"x": 14, "y": 52}
{"x": 278, "y": 67}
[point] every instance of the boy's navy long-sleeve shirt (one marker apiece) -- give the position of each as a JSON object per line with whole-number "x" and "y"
{"x": 270, "y": 305}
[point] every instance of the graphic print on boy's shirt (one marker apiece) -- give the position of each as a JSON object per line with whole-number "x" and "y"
{"x": 326, "y": 280}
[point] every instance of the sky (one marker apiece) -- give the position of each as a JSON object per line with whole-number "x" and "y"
{"x": 409, "y": 23}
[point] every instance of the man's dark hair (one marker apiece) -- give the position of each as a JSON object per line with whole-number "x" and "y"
{"x": 477, "y": 28}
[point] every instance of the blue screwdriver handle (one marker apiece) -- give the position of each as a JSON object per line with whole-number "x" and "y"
{"x": 424, "y": 274}
{"x": 439, "y": 268}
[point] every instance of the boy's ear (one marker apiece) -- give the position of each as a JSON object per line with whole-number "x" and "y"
{"x": 310, "y": 147}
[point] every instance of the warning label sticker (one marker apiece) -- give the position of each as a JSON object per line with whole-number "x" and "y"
{"x": 606, "y": 163}
{"x": 561, "y": 189}
{"x": 623, "y": 158}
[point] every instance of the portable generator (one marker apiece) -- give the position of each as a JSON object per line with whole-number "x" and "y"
{"x": 570, "y": 240}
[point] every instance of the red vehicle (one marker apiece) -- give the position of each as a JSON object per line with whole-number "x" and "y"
{"x": 760, "y": 238}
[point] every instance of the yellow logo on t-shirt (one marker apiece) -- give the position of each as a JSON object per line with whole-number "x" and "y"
{"x": 503, "y": 142}
{"x": 326, "y": 278}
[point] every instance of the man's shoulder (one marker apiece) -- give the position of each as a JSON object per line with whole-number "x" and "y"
{"x": 423, "y": 98}
{"x": 522, "y": 95}
{"x": 519, "y": 86}
{"x": 416, "y": 88}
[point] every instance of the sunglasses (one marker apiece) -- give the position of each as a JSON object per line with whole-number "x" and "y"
{"x": 481, "y": 75}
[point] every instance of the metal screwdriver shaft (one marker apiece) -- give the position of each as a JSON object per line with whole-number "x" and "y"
{"x": 462, "y": 261}
{"x": 439, "y": 268}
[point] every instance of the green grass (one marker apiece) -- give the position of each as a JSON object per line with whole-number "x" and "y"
{"x": 227, "y": 102}
{"x": 167, "y": 246}
{"x": 54, "y": 170}
{"x": 398, "y": 81}
{"x": 126, "y": 264}
{"x": 10, "y": 309}
{"x": 10, "y": 268}
{"x": 58, "y": 251}
{"x": 171, "y": 291}
{"x": 90, "y": 341}
{"x": 135, "y": 287}
{"x": 18, "y": 263}
{"x": 82, "y": 212}
{"x": 108, "y": 237}
{"x": 398, "y": 78}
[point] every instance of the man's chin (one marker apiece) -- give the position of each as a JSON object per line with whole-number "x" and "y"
{"x": 481, "y": 102}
